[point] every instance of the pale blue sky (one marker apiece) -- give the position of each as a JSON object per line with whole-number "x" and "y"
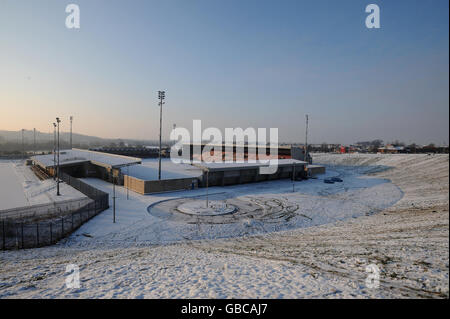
{"x": 246, "y": 63}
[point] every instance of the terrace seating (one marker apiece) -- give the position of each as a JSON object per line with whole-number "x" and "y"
{"x": 40, "y": 173}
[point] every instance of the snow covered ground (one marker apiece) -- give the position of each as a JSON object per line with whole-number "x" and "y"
{"x": 264, "y": 207}
{"x": 20, "y": 187}
{"x": 395, "y": 218}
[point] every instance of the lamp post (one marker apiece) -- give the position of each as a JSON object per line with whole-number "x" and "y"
{"x": 54, "y": 150}
{"x": 306, "y": 140}
{"x": 293, "y": 178}
{"x": 207, "y": 185}
{"x": 161, "y": 97}
{"x": 114, "y": 195}
{"x": 128, "y": 181}
{"x": 57, "y": 167}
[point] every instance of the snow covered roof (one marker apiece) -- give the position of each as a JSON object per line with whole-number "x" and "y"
{"x": 237, "y": 145}
{"x": 74, "y": 156}
{"x": 148, "y": 170}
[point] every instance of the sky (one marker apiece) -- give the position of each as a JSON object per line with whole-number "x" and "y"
{"x": 229, "y": 63}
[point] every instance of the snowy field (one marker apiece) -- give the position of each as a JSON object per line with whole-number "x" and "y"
{"x": 20, "y": 187}
{"x": 314, "y": 242}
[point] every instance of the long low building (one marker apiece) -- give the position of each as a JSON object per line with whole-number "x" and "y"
{"x": 222, "y": 174}
{"x": 221, "y": 152}
{"x": 144, "y": 179}
{"x": 84, "y": 163}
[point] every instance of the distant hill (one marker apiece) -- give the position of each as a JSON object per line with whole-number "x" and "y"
{"x": 12, "y": 140}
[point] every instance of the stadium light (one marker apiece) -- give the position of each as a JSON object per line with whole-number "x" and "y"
{"x": 57, "y": 167}
{"x": 161, "y": 97}
{"x": 54, "y": 149}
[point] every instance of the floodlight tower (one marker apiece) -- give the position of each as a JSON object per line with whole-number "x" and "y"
{"x": 161, "y": 97}
{"x": 71, "y": 119}
{"x": 57, "y": 167}
{"x": 54, "y": 149}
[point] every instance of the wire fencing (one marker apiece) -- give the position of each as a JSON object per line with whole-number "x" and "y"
{"x": 21, "y": 233}
{"x": 86, "y": 189}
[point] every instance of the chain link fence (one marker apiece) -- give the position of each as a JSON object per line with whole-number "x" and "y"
{"x": 88, "y": 190}
{"x": 21, "y": 234}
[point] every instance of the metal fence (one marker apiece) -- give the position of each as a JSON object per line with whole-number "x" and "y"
{"x": 20, "y": 234}
{"x": 88, "y": 190}
{"x": 43, "y": 211}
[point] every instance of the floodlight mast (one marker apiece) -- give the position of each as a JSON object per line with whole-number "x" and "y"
{"x": 57, "y": 167}
{"x": 161, "y": 97}
{"x": 54, "y": 149}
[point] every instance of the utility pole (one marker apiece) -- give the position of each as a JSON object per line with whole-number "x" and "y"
{"x": 23, "y": 145}
{"x": 71, "y": 119}
{"x": 161, "y": 97}
{"x": 128, "y": 181}
{"x": 306, "y": 139}
{"x": 57, "y": 167}
{"x": 34, "y": 136}
{"x": 54, "y": 151}
{"x": 207, "y": 186}
{"x": 114, "y": 196}
{"x": 293, "y": 178}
